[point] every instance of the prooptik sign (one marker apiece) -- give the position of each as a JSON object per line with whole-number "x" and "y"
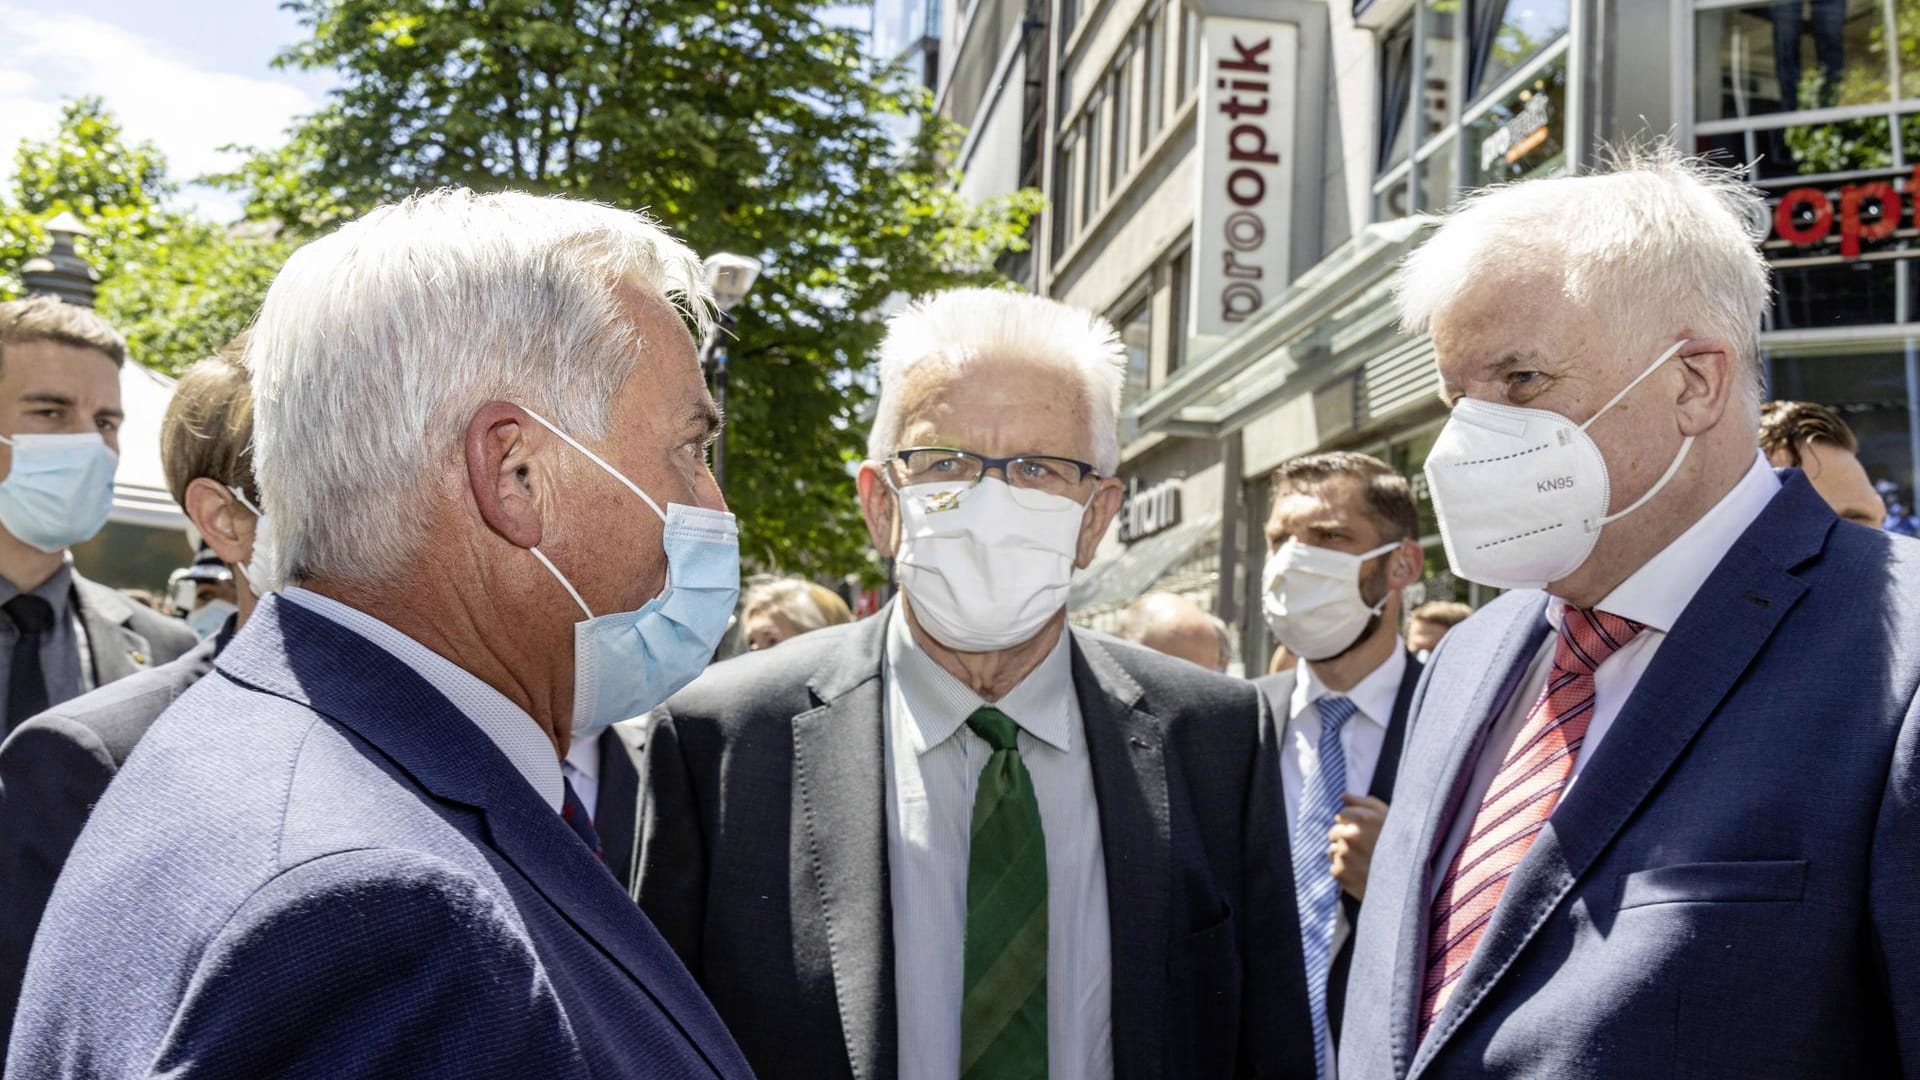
{"x": 1810, "y": 217}
{"x": 1242, "y": 232}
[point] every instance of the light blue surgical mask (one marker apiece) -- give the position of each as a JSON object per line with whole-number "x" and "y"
{"x": 60, "y": 489}
{"x": 625, "y": 663}
{"x": 208, "y": 618}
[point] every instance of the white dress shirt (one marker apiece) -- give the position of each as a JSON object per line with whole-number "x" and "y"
{"x": 510, "y": 728}
{"x": 1653, "y": 595}
{"x": 581, "y": 767}
{"x": 933, "y": 769}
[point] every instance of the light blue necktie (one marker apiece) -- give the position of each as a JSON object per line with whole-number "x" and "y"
{"x": 1321, "y": 790}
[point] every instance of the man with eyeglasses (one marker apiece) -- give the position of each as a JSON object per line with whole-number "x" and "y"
{"x": 960, "y": 839}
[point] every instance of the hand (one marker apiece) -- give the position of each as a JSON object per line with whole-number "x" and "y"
{"x": 1355, "y": 830}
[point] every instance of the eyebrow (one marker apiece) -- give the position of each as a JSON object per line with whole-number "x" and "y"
{"x": 1507, "y": 362}
{"x": 48, "y": 397}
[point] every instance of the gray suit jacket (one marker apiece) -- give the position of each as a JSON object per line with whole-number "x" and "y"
{"x": 1732, "y": 889}
{"x": 764, "y": 860}
{"x": 125, "y": 637}
{"x": 55, "y": 766}
{"x": 616, "y": 811}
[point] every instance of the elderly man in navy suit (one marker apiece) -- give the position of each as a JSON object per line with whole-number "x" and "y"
{"x": 1660, "y": 815}
{"x": 351, "y": 851}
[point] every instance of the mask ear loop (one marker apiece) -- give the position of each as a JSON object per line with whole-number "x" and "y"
{"x": 600, "y": 461}
{"x": 1679, "y": 459}
{"x": 1378, "y": 609}
{"x": 562, "y": 579}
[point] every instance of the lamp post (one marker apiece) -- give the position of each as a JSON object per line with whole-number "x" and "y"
{"x": 61, "y": 273}
{"x": 728, "y": 278}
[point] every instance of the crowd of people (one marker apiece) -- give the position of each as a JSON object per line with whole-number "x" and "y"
{"x": 442, "y": 780}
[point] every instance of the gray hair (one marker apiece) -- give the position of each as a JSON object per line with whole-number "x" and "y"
{"x": 377, "y": 344}
{"x": 961, "y": 326}
{"x": 1654, "y": 231}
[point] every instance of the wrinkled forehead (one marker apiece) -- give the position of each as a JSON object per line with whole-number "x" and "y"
{"x": 1336, "y": 501}
{"x": 1518, "y": 320}
{"x": 995, "y": 403}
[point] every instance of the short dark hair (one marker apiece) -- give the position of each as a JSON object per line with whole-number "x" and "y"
{"x": 208, "y": 427}
{"x": 1389, "y": 496}
{"x": 1448, "y": 613}
{"x": 1786, "y": 426}
{"x": 42, "y": 318}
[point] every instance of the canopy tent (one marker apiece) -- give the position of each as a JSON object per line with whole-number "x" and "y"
{"x": 140, "y": 486}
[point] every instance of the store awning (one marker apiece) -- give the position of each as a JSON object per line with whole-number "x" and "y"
{"x": 140, "y": 494}
{"x": 1121, "y": 580}
{"x": 1337, "y": 314}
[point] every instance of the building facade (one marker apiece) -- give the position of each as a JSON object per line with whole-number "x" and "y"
{"x": 1233, "y": 182}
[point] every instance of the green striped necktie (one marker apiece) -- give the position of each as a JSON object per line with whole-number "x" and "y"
{"x": 1003, "y": 1010}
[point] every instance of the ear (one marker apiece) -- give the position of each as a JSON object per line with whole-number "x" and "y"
{"x": 500, "y": 473}
{"x": 1100, "y": 514}
{"x": 1710, "y": 377}
{"x": 1404, "y": 564}
{"x": 224, "y": 524}
{"x": 880, "y": 506}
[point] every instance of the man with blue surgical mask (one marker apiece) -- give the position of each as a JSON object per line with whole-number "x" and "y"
{"x": 961, "y": 839}
{"x": 62, "y": 634}
{"x": 1342, "y": 546}
{"x": 489, "y": 530}
{"x": 1659, "y": 811}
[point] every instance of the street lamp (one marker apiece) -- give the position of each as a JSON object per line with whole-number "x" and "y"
{"x": 729, "y": 277}
{"x": 61, "y": 273}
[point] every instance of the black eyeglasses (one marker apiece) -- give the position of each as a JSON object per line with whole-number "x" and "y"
{"x": 1037, "y": 473}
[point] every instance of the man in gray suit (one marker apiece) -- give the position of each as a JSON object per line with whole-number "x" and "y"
{"x": 55, "y": 766}
{"x": 60, "y": 634}
{"x": 961, "y": 839}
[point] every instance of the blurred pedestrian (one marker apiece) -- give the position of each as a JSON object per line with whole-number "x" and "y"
{"x": 1430, "y": 622}
{"x": 1342, "y": 545}
{"x": 1178, "y": 627}
{"x": 778, "y": 610}
{"x": 1657, "y": 814}
{"x": 968, "y": 816}
{"x": 60, "y": 415}
{"x": 1812, "y": 438}
{"x": 205, "y": 593}
{"x": 55, "y": 766}
{"x": 354, "y": 853}
{"x": 1281, "y": 660}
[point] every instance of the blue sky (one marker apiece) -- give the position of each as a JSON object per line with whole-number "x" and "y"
{"x": 190, "y": 76}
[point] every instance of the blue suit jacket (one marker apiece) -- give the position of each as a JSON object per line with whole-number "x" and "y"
{"x": 314, "y": 866}
{"x": 1733, "y": 887}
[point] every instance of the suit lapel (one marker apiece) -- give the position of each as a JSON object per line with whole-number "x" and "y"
{"x": 1125, "y": 746}
{"x": 617, "y": 804}
{"x": 1712, "y": 644}
{"x": 116, "y": 650}
{"x": 297, "y": 654}
{"x": 840, "y": 796}
{"x": 1457, "y": 724}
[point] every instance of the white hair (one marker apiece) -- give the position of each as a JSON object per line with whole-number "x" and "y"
{"x": 377, "y": 344}
{"x": 1655, "y": 240}
{"x": 961, "y": 326}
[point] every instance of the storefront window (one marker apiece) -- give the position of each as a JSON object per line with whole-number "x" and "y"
{"x": 1436, "y": 179}
{"x": 1505, "y": 34}
{"x": 1867, "y": 385}
{"x": 1396, "y": 95}
{"x": 1437, "y": 98}
{"x": 1180, "y": 283}
{"x": 1136, "y": 334}
{"x": 1776, "y": 57}
{"x": 1525, "y": 134}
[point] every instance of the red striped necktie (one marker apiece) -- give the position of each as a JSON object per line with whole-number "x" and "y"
{"x": 1519, "y": 801}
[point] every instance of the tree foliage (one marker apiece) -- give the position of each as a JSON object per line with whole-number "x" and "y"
{"x": 755, "y": 127}
{"x": 175, "y": 284}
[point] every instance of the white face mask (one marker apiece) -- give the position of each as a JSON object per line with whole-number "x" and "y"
{"x": 259, "y": 569}
{"x": 1522, "y": 494}
{"x": 1311, "y": 598}
{"x": 982, "y": 570}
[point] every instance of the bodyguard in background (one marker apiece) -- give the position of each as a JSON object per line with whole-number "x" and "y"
{"x": 62, "y": 635}
{"x": 1660, "y": 810}
{"x": 960, "y": 839}
{"x": 351, "y": 851}
{"x": 1342, "y": 545}
{"x": 54, "y": 767}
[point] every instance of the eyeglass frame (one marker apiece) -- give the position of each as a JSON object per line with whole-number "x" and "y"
{"x": 989, "y": 463}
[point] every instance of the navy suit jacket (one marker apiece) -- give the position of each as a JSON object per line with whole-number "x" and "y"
{"x": 1733, "y": 887}
{"x": 313, "y": 865}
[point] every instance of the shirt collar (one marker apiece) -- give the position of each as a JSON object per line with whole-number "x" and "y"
{"x": 583, "y": 756}
{"x": 940, "y": 703}
{"x": 1373, "y": 696}
{"x": 56, "y": 590}
{"x": 1661, "y": 589}
{"x": 526, "y": 747}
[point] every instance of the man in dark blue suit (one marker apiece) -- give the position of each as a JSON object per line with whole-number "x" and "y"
{"x": 350, "y": 851}
{"x": 1660, "y": 814}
